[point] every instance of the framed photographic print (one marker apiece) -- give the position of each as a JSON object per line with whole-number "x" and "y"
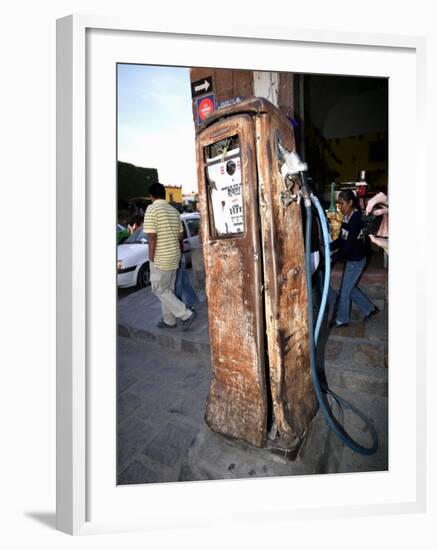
{"x": 191, "y": 401}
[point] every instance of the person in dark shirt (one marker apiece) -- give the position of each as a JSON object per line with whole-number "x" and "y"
{"x": 183, "y": 288}
{"x": 350, "y": 247}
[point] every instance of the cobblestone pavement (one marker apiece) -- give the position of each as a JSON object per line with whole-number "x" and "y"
{"x": 161, "y": 399}
{"x": 163, "y": 379}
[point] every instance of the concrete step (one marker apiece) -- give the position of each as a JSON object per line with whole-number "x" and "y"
{"x": 215, "y": 456}
{"x": 139, "y": 313}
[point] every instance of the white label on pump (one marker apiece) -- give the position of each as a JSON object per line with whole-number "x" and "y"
{"x": 226, "y": 193}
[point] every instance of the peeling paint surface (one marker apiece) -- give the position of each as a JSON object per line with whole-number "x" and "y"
{"x": 256, "y": 289}
{"x": 237, "y": 402}
{"x": 294, "y": 402}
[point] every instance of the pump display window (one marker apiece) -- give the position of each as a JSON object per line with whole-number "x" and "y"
{"x": 224, "y": 183}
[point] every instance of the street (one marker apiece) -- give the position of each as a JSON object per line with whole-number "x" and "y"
{"x": 163, "y": 379}
{"x": 161, "y": 398}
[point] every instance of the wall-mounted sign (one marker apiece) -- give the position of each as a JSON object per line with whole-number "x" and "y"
{"x": 201, "y": 87}
{"x": 228, "y": 102}
{"x": 205, "y": 106}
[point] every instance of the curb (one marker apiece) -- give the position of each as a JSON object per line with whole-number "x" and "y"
{"x": 176, "y": 342}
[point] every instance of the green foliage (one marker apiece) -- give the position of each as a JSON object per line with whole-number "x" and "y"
{"x": 134, "y": 181}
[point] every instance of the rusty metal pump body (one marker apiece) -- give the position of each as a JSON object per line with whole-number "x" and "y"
{"x": 253, "y": 250}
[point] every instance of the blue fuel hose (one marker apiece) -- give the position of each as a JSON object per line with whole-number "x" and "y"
{"x": 327, "y": 277}
{"x": 321, "y": 390}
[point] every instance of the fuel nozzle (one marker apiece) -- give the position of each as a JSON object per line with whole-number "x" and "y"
{"x": 292, "y": 163}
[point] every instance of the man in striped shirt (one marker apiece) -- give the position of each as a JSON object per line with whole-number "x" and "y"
{"x": 163, "y": 226}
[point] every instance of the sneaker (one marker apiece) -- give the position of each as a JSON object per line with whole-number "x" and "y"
{"x": 369, "y": 315}
{"x": 337, "y": 324}
{"x": 188, "y": 322}
{"x": 161, "y": 324}
{"x": 194, "y": 306}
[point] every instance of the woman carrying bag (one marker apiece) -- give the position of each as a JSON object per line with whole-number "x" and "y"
{"x": 350, "y": 247}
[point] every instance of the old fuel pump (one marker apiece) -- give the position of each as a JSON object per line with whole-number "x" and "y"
{"x": 254, "y": 258}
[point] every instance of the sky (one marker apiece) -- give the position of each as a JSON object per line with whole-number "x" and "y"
{"x": 155, "y": 122}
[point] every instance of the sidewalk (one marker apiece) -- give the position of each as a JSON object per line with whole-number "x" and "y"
{"x": 160, "y": 405}
{"x": 139, "y": 313}
{"x": 163, "y": 384}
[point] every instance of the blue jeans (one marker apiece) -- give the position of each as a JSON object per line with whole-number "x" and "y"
{"x": 349, "y": 291}
{"x": 183, "y": 289}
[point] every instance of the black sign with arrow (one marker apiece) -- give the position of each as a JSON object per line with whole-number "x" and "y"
{"x": 201, "y": 87}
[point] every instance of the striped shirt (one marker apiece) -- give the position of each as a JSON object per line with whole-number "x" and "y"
{"x": 164, "y": 220}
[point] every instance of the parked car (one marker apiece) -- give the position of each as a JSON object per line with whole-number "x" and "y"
{"x": 122, "y": 233}
{"x": 133, "y": 254}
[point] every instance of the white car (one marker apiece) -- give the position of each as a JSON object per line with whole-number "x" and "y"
{"x": 133, "y": 254}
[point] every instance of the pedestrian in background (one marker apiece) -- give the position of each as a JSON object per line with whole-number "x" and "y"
{"x": 378, "y": 206}
{"x": 350, "y": 247}
{"x": 163, "y": 226}
{"x": 137, "y": 222}
{"x": 183, "y": 288}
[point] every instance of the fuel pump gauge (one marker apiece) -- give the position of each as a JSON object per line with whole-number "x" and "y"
{"x": 225, "y": 187}
{"x": 231, "y": 167}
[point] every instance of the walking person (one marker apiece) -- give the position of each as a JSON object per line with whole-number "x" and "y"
{"x": 183, "y": 288}
{"x": 351, "y": 248}
{"x": 162, "y": 224}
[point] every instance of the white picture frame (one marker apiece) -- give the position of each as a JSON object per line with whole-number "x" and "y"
{"x": 78, "y": 417}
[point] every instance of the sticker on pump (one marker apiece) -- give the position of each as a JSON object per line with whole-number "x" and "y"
{"x": 205, "y": 106}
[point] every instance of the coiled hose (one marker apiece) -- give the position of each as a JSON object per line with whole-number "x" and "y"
{"x": 321, "y": 390}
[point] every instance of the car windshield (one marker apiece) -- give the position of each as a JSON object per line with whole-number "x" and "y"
{"x": 137, "y": 237}
{"x": 193, "y": 226}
